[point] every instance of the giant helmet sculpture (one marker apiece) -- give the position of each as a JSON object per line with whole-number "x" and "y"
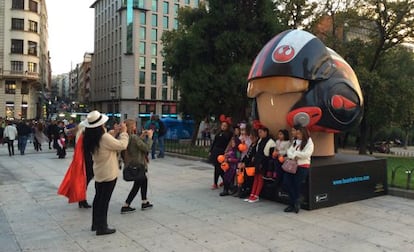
{"x": 295, "y": 79}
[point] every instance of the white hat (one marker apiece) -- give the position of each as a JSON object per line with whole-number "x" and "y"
{"x": 95, "y": 119}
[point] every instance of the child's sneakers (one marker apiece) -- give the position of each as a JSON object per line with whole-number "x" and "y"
{"x": 214, "y": 187}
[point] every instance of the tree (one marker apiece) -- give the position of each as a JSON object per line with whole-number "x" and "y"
{"x": 211, "y": 52}
{"x": 397, "y": 67}
{"x": 296, "y": 14}
{"x": 388, "y": 24}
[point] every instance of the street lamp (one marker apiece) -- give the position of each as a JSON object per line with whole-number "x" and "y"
{"x": 113, "y": 92}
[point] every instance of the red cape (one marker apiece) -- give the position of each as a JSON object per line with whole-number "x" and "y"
{"x": 73, "y": 185}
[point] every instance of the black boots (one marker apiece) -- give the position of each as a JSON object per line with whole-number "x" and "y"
{"x": 295, "y": 208}
{"x": 105, "y": 231}
{"x": 84, "y": 204}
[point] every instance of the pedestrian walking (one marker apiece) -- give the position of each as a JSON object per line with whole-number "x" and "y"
{"x": 10, "y": 134}
{"x": 23, "y": 130}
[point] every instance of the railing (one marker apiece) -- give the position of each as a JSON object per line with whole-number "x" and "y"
{"x": 407, "y": 171}
{"x": 184, "y": 147}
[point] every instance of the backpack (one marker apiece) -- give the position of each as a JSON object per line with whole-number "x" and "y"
{"x": 163, "y": 130}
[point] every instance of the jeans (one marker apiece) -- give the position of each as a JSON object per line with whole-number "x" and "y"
{"x": 10, "y": 147}
{"x": 143, "y": 185}
{"x": 161, "y": 146}
{"x": 292, "y": 183}
{"x": 21, "y": 142}
{"x": 154, "y": 146}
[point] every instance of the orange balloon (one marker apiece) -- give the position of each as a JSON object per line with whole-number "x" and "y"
{"x": 281, "y": 159}
{"x": 250, "y": 171}
{"x": 221, "y": 158}
{"x": 225, "y": 166}
{"x": 242, "y": 147}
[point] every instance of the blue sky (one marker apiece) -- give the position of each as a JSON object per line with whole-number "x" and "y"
{"x": 71, "y": 32}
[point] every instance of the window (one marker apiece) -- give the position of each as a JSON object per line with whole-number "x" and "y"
{"x": 143, "y": 18}
{"x": 175, "y": 94}
{"x": 142, "y": 33}
{"x": 165, "y": 7}
{"x": 164, "y": 94}
{"x": 165, "y": 21}
{"x": 18, "y": 4}
{"x": 141, "y": 77}
{"x": 141, "y": 63}
{"x": 139, "y": 3}
{"x": 16, "y": 66}
{"x": 153, "y": 78}
{"x": 154, "y": 6}
{"x": 25, "y": 88}
{"x": 32, "y": 26}
{"x": 154, "y": 34}
{"x": 175, "y": 25}
{"x": 176, "y": 7}
{"x": 31, "y": 67}
{"x": 164, "y": 79}
{"x": 154, "y": 49}
{"x": 17, "y": 46}
{"x": 32, "y": 48}
{"x": 154, "y": 20}
{"x": 10, "y": 87}
{"x": 141, "y": 93}
{"x": 196, "y": 3}
{"x": 153, "y": 93}
{"x": 17, "y": 24}
{"x": 33, "y": 6}
{"x": 154, "y": 64}
{"x": 187, "y": 1}
{"x": 165, "y": 109}
{"x": 142, "y": 47}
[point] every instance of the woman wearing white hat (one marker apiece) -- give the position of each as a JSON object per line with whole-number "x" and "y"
{"x": 104, "y": 148}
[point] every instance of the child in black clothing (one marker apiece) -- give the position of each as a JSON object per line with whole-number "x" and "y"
{"x": 61, "y": 150}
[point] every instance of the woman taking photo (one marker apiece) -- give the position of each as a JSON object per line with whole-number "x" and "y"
{"x": 103, "y": 147}
{"x": 301, "y": 150}
{"x": 136, "y": 154}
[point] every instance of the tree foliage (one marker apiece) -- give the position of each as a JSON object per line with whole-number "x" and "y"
{"x": 211, "y": 52}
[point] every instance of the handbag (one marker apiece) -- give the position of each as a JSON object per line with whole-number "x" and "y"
{"x": 290, "y": 166}
{"x": 134, "y": 172}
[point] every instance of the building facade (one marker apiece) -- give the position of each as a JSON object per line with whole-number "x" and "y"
{"x": 127, "y": 66}
{"x": 24, "y": 59}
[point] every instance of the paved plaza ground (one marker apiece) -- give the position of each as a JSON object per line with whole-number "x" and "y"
{"x": 187, "y": 215}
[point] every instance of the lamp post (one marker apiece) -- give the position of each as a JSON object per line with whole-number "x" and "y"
{"x": 113, "y": 92}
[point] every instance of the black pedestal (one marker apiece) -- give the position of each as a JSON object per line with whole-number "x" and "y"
{"x": 335, "y": 180}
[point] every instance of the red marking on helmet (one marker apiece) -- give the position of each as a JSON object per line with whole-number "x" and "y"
{"x": 283, "y": 53}
{"x": 314, "y": 113}
{"x": 339, "y": 102}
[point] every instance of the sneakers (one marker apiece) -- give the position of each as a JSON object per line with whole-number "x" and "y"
{"x": 224, "y": 193}
{"x": 253, "y": 199}
{"x": 127, "y": 209}
{"x": 146, "y": 205}
{"x": 214, "y": 187}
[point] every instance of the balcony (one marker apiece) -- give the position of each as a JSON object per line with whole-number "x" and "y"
{"x": 24, "y": 75}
